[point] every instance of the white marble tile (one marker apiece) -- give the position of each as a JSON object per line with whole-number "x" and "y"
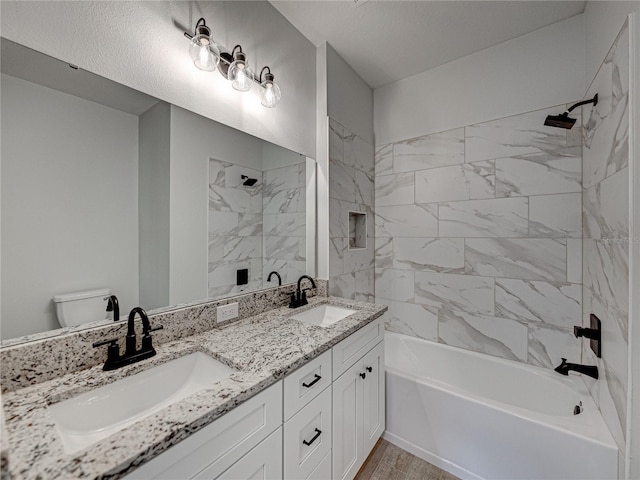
{"x": 358, "y": 259}
{"x": 221, "y": 223}
{"x": 343, "y": 286}
{"x": 364, "y": 188}
{"x": 342, "y": 181}
{"x": 336, "y": 133}
{"x": 468, "y": 181}
{"x": 364, "y": 285}
{"x": 548, "y": 345}
{"x": 286, "y": 248}
{"x": 225, "y": 199}
{"x": 556, "y": 215}
{"x": 278, "y": 179}
{"x": 482, "y": 333}
{"x": 516, "y": 135}
{"x": 574, "y": 260}
{"x": 526, "y": 258}
{"x": 384, "y": 252}
{"x": 394, "y": 189}
{"x": 384, "y": 160}
{"x": 455, "y": 292}
{"x": 606, "y": 272}
{"x": 285, "y": 224}
{"x": 552, "y": 303}
{"x": 336, "y": 249}
{"x": 358, "y": 153}
{"x": 502, "y": 217}
{"x": 339, "y": 217}
{"x": 432, "y": 254}
{"x": 216, "y": 172}
{"x": 429, "y": 151}
{"x": 407, "y": 221}
{"x": 539, "y": 174}
{"x": 606, "y": 207}
{"x": 411, "y": 319}
{"x": 285, "y": 201}
{"x": 394, "y": 284}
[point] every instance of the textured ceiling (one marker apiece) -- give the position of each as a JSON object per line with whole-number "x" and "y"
{"x": 385, "y": 41}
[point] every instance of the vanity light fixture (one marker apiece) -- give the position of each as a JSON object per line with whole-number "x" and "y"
{"x": 232, "y": 66}
{"x": 240, "y": 74}
{"x": 270, "y": 90}
{"x": 203, "y": 50}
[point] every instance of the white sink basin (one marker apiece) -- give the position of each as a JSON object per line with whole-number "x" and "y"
{"x": 323, "y": 315}
{"x": 83, "y": 420}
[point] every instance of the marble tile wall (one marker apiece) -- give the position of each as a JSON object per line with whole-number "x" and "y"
{"x": 235, "y": 228}
{"x": 351, "y": 188}
{"x": 479, "y": 237}
{"x": 605, "y": 202}
{"x": 284, "y": 222}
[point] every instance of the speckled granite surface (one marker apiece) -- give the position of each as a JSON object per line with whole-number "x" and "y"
{"x": 46, "y": 356}
{"x": 264, "y": 348}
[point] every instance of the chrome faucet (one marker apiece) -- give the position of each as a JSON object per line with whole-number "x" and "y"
{"x": 131, "y": 354}
{"x": 113, "y": 306}
{"x": 299, "y": 297}
{"x": 564, "y": 368}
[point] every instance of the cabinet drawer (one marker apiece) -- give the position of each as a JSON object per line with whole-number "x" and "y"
{"x": 322, "y": 471}
{"x": 307, "y": 437}
{"x": 264, "y": 462}
{"x": 302, "y": 386}
{"x": 219, "y": 445}
{"x": 352, "y": 348}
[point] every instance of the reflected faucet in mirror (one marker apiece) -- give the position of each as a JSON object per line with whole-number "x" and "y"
{"x": 277, "y": 275}
{"x": 113, "y": 306}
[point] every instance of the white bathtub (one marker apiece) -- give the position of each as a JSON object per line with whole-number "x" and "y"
{"x": 481, "y": 417}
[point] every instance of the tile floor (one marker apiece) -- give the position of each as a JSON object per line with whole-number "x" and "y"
{"x": 388, "y": 462}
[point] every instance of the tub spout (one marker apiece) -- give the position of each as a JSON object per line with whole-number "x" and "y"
{"x": 564, "y": 368}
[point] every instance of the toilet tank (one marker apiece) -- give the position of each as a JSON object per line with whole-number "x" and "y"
{"x": 79, "y": 308}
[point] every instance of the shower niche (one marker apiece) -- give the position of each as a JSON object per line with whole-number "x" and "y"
{"x": 357, "y": 230}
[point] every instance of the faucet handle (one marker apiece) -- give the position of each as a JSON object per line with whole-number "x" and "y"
{"x": 159, "y": 327}
{"x": 109, "y": 342}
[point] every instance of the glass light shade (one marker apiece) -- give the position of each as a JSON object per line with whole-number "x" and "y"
{"x": 204, "y": 53}
{"x": 240, "y": 75}
{"x": 270, "y": 94}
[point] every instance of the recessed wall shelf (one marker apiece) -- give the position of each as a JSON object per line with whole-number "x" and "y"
{"x": 357, "y": 230}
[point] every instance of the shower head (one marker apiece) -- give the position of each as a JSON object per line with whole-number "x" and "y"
{"x": 560, "y": 121}
{"x": 564, "y": 120}
{"x": 248, "y": 182}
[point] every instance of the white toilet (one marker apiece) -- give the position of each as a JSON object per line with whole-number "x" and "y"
{"x": 78, "y": 308}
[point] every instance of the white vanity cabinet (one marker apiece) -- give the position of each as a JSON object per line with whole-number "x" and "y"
{"x": 358, "y": 409}
{"x": 211, "y": 451}
{"x": 318, "y": 423}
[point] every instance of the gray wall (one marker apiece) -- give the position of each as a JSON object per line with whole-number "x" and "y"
{"x": 154, "y": 203}
{"x": 69, "y": 190}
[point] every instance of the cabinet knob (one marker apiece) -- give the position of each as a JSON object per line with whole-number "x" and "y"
{"x": 363, "y": 375}
{"x": 369, "y": 369}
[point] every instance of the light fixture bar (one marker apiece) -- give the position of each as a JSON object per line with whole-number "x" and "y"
{"x": 226, "y": 61}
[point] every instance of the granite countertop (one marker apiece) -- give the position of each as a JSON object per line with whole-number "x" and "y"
{"x": 263, "y": 348}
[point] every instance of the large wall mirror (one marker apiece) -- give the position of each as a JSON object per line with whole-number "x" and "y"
{"x": 106, "y": 187}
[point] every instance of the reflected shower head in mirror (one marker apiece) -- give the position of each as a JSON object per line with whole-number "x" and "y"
{"x": 248, "y": 182}
{"x": 564, "y": 120}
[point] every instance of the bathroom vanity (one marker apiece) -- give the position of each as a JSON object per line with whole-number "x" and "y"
{"x": 302, "y": 401}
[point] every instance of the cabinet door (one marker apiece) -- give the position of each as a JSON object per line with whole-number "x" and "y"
{"x": 373, "y": 399}
{"x": 347, "y": 423}
{"x": 264, "y": 462}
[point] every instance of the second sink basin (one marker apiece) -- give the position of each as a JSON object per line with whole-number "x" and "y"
{"x": 83, "y": 420}
{"x": 323, "y": 315}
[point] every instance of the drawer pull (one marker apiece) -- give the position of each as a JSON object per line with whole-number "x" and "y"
{"x": 363, "y": 375}
{"x": 315, "y": 380}
{"x": 315, "y": 437}
{"x": 369, "y": 369}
